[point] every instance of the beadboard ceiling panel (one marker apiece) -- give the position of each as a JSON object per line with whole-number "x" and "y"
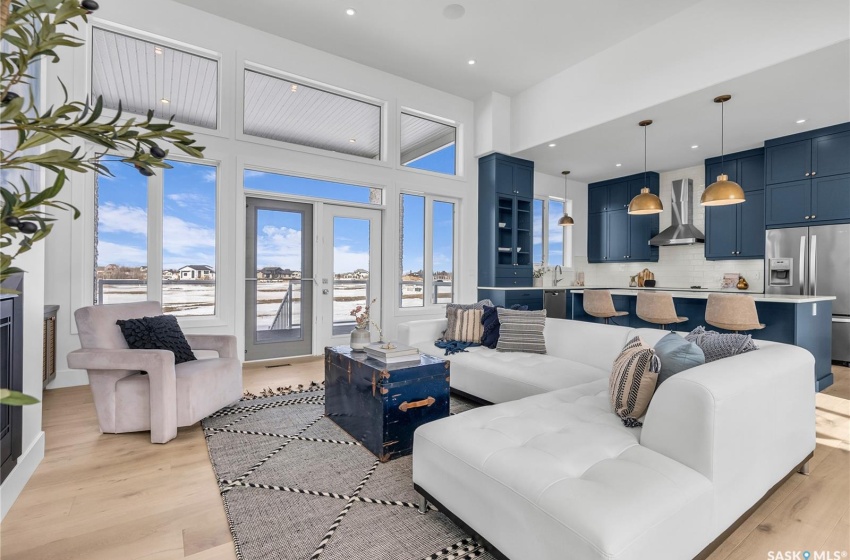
{"x": 421, "y": 136}
{"x": 283, "y": 110}
{"x": 140, "y": 75}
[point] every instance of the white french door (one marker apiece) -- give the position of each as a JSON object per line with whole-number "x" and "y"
{"x": 349, "y": 265}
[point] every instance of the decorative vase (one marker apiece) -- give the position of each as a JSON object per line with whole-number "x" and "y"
{"x": 537, "y": 281}
{"x": 360, "y": 338}
{"x": 742, "y": 283}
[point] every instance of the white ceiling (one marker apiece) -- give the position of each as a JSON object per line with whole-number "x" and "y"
{"x": 765, "y": 104}
{"x": 515, "y": 44}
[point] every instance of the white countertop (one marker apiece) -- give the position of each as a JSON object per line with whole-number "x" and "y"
{"x": 514, "y": 288}
{"x": 703, "y": 294}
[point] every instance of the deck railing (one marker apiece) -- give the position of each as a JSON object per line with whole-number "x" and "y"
{"x": 283, "y": 317}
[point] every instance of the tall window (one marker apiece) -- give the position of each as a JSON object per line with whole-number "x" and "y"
{"x": 181, "y": 203}
{"x": 427, "y": 144}
{"x": 551, "y": 245}
{"x": 428, "y": 232}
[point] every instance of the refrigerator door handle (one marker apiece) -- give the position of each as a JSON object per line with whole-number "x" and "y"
{"x": 802, "y": 266}
{"x": 841, "y": 319}
{"x": 813, "y": 267}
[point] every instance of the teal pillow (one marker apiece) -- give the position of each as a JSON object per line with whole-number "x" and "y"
{"x": 677, "y": 355}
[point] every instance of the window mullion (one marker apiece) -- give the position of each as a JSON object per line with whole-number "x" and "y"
{"x": 155, "y": 211}
{"x": 544, "y": 230}
{"x": 428, "y": 260}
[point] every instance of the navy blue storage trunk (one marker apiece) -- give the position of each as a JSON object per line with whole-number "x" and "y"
{"x": 382, "y": 404}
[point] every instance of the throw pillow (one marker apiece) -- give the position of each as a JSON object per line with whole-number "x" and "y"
{"x": 521, "y": 331}
{"x": 451, "y": 314}
{"x": 157, "y": 333}
{"x": 632, "y": 382}
{"x": 490, "y": 321}
{"x": 468, "y": 326}
{"x": 677, "y": 355}
{"x": 717, "y": 346}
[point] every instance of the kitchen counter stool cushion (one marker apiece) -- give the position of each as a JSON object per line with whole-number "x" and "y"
{"x": 633, "y": 381}
{"x": 677, "y": 355}
{"x": 161, "y": 332}
{"x": 521, "y": 331}
{"x": 717, "y": 346}
{"x": 451, "y": 314}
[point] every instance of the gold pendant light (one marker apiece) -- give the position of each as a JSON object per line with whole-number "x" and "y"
{"x": 723, "y": 191}
{"x": 565, "y": 220}
{"x": 645, "y": 202}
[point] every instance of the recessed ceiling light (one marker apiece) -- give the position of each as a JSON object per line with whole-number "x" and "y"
{"x": 164, "y": 100}
{"x": 454, "y": 11}
{"x": 801, "y": 121}
{"x": 157, "y": 50}
{"x": 552, "y": 145}
{"x": 293, "y": 88}
{"x": 619, "y": 165}
{"x": 352, "y": 140}
{"x": 471, "y": 61}
{"x": 695, "y": 146}
{"x": 350, "y": 11}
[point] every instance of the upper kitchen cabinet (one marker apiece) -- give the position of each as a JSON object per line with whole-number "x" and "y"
{"x": 505, "y": 198}
{"x": 736, "y": 231}
{"x": 613, "y": 235}
{"x": 807, "y": 178}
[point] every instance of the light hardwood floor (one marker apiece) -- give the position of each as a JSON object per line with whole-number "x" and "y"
{"x": 117, "y": 497}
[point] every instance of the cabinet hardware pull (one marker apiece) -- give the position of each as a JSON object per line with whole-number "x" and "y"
{"x": 814, "y": 173}
{"x": 813, "y": 216}
{"x": 807, "y": 174}
{"x": 416, "y": 404}
{"x": 807, "y": 217}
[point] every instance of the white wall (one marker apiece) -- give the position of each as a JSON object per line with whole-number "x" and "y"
{"x": 70, "y": 249}
{"x": 677, "y": 267}
{"x": 492, "y": 124}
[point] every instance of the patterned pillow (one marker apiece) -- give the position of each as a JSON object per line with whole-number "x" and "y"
{"x": 467, "y": 325}
{"x": 521, "y": 331}
{"x": 157, "y": 333}
{"x": 451, "y": 314}
{"x": 717, "y": 346}
{"x": 490, "y": 320}
{"x": 632, "y": 382}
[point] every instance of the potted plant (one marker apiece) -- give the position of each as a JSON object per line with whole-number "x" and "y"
{"x": 360, "y": 335}
{"x": 537, "y": 275}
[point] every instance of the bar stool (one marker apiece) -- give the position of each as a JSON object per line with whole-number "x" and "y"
{"x": 733, "y": 312}
{"x": 658, "y": 308}
{"x": 599, "y": 303}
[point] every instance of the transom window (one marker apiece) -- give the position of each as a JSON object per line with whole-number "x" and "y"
{"x": 427, "y": 144}
{"x": 312, "y": 188}
{"x": 143, "y": 76}
{"x": 285, "y": 110}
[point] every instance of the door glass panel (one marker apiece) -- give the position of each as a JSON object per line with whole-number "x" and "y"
{"x": 442, "y": 256}
{"x": 351, "y": 271}
{"x": 412, "y": 250}
{"x": 279, "y": 264}
{"x": 121, "y": 246}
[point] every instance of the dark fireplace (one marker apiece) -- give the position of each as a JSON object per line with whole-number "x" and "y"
{"x": 11, "y": 371}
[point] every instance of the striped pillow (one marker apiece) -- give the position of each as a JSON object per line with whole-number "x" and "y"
{"x": 633, "y": 381}
{"x": 521, "y": 331}
{"x": 451, "y": 315}
{"x": 467, "y": 325}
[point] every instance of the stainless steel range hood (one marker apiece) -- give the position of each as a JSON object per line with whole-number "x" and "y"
{"x": 682, "y": 232}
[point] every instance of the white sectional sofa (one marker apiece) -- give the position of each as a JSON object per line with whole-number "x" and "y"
{"x": 551, "y": 473}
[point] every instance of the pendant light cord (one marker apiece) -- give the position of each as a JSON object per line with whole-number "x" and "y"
{"x": 722, "y": 134}
{"x": 644, "y": 157}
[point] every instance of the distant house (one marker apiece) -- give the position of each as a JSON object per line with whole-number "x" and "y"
{"x": 443, "y": 276}
{"x": 359, "y": 274}
{"x": 275, "y": 273}
{"x": 170, "y": 275}
{"x": 196, "y": 272}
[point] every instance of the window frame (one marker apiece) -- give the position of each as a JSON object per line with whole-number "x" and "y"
{"x": 567, "y": 256}
{"x": 239, "y": 132}
{"x": 221, "y": 129}
{"x": 247, "y": 166}
{"x": 459, "y": 171}
{"x": 155, "y": 217}
{"x": 428, "y": 258}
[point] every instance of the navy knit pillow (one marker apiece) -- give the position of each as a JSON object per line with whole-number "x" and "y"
{"x": 157, "y": 333}
{"x": 490, "y": 320}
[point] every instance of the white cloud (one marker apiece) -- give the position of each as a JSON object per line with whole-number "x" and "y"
{"x": 347, "y": 261}
{"x": 279, "y": 246}
{"x": 249, "y": 173}
{"x": 209, "y": 176}
{"x": 112, "y": 218}
{"x": 120, "y": 254}
{"x": 186, "y": 200}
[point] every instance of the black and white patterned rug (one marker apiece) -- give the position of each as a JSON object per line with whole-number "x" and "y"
{"x": 295, "y": 486}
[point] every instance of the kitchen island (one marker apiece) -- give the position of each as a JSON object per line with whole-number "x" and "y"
{"x": 804, "y": 321}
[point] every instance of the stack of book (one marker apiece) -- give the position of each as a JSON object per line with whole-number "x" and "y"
{"x": 395, "y": 354}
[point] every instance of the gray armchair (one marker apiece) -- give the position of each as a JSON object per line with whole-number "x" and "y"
{"x": 168, "y": 396}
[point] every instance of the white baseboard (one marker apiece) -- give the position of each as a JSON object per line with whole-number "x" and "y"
{"x": 20, "y": 475}
{"x": 69, "y": 378}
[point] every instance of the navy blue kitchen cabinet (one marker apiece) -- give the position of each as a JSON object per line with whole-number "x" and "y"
{"x": 736, "y": 231}
{"x": 505, "y": 200}
{"x": 381, "y": 405}
{"x": 613, "y": 235}
{"x": 807, "y": 178}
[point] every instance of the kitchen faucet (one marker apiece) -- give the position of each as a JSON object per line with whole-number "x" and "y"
{"x": 558, "y": 272}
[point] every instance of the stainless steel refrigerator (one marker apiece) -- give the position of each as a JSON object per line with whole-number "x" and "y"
{"x": 813, "y": 261}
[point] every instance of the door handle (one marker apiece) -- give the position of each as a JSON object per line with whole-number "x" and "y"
{"x": 813, "y": 267}
{"x": 326, "y": 291}
{"x": 802, "y": 266}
